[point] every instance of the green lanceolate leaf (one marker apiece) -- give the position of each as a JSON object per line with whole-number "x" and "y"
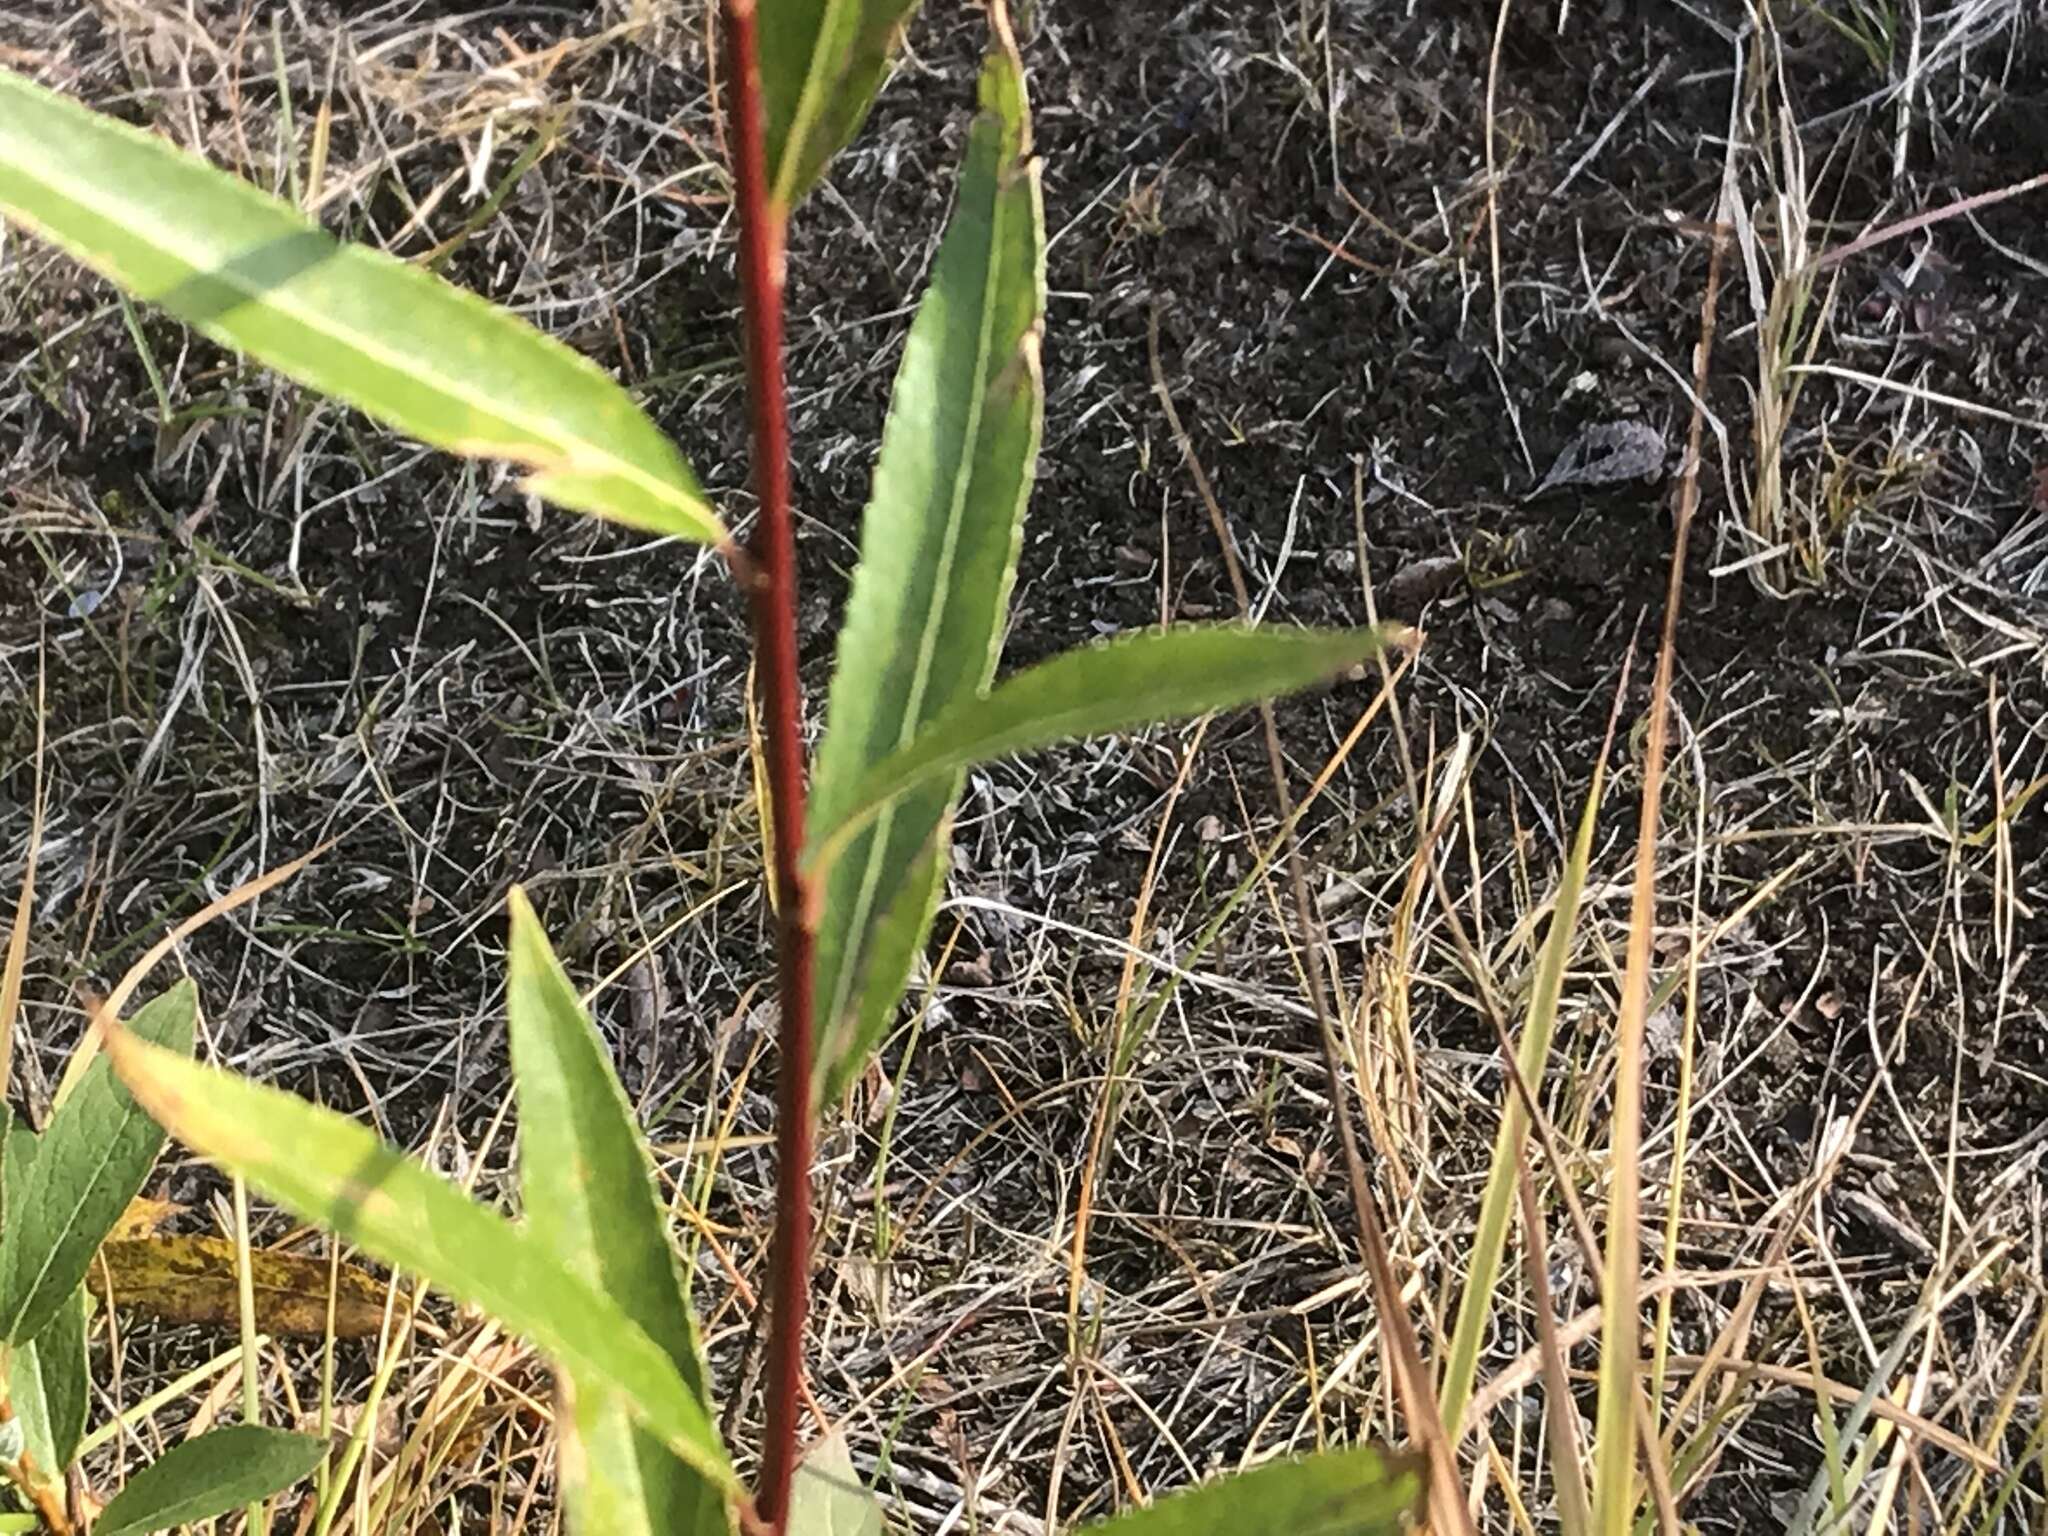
{"x": 89, "y": 1163}
{"x": 326, "y": 1169}
{"x": 210, "y": 1475}
{"x": 821, "y": 63}
{"x": 827, "y": 1497}
{"x": 1359, "y": 1491}
{"x": 1137, "y": 679}
{"x": 46, "y": 1376}
{"x": 46, "y": 1379}
{"x": 391, "y": 339}
{"x": 590, "y": 1197}
{"x": 939, "y": 544}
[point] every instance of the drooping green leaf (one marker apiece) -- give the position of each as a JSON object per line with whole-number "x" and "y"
{"x": 827, "y": 1497}
{"x": 1359, "y": 1491}
{"x": 1136, "y": 679}
{"x": 91, "y": 1160}
{"x": 392, "y": 339}
{"x": 939, "y": 546}
{"x": 821, "y": 63}
{"x": 326, "y": 1169}
{"x": 210, "y": 1475}
{"x": 590, "y": 1197}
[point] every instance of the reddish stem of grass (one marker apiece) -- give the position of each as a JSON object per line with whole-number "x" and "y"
{"x": 770, "y": 578}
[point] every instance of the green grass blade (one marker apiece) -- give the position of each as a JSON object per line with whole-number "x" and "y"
{"x": 90, "y": 1162}
{"x": 590, "y": 1197}
{"x": 210, "y": 1475}
{"x": 821, "y": 63}
{"x": 1532, "y": 1053}
{"x": 1358, "y": 1491}
{"x": 391, "y": 339}
{"x": 326, "y": 1169}
{"x": 938, "y": 557}
{"x": 1135, "y": 680}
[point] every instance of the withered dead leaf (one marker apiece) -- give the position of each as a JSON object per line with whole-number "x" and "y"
{"x": 145, "y": 1217}
{"x": 186, "y": 1279}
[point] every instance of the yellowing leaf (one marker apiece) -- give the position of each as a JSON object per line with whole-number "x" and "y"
{"x": 187, "y": 1279}
{"x": 145, "y": 1216}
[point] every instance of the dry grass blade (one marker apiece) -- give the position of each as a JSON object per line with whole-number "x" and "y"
{"x": 17, "y": 939}
{"x": 1615, "y": 1424}
{"x": 110, "y": 1007}
{"x": 1567, "y": 1464}
{"x": 1413, "y": 1381}
{"x": 1527, "y": 1062}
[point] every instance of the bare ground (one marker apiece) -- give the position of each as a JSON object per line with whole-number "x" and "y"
{"x": 267, "y": 624}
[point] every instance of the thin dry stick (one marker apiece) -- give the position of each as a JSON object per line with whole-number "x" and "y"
{"x": 1108, "y": 1106}
{"x": 111, "y": 1005}
{"x": 17, "y": 941}
{"x": 1568, "y": 1466}
{"x": 1411, "y": 1376}
{"x": 1615, "y": 1424}
{"x": 1906, "y": 226}
{"x": 1500, "y": 29}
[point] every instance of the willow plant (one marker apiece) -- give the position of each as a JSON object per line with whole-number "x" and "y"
{"x": 588, "y": 1272}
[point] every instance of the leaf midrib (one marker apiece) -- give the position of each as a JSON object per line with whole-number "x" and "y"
{"x": 38, "y": 1186}
{"x": 963, "y": 479}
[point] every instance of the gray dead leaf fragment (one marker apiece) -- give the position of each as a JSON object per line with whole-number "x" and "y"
{"x": 1422, "y": 581}
{"x": 1607, "y": 453}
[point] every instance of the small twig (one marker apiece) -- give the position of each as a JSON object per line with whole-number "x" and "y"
{"x": 1600, "y": 141}
{"x": 1906, "y": 226}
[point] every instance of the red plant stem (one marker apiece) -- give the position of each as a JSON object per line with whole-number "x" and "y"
{"x": 771, "y": 586}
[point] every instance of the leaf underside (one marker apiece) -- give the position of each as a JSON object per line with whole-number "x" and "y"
{"x": 1358, "y": 1491}
{"x": 210, "y": 1475}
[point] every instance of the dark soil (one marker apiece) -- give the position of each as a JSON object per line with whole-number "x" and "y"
{"x": 319, "y": 633}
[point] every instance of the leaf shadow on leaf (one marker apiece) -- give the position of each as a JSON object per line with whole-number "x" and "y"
{"x": 212, "y": 295}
